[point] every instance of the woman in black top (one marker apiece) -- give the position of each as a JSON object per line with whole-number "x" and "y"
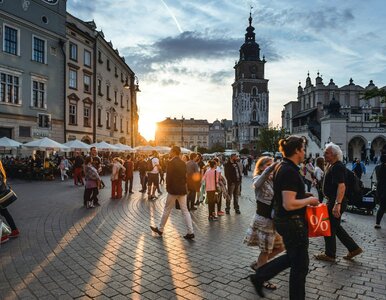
{"x": 381, "y": 190}
{"x": 290, "y": 200}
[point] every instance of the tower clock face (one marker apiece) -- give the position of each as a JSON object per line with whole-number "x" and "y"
{"x": 253, "y": 69}
{"x": 51, "y": 2}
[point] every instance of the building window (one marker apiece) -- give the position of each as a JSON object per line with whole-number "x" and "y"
{"x": 127, "y": 104}
{"x": 10, "y": 40}
{"x": 115, "y": 123}
{"x": 72, "y": 115}
{"x": 72, "y": 79}
{"x": 73, "y": 51}
{"x": 87, "y": 58}
{"x": 100, "y": 87}
{"x": 87, "y": 83}
{"x": 122, "y": 101}
{"x": 24, "y": 131}
{"x": 367, "y": 117}
{"x": 121, "y": 125}
{"x": 86, "y": 116}
{"x": 127, "y": 127}
{"x": 39, "y": 50}
{"x": 38, "y": 94}
{"x": 116, "y": 72}
{"x": 100, "y": 117}
{"x": 44, "y": 121}
{"x": 108, "y": 92}
{"x": 100, "y": 57}
{"x": 115, "y": 97}
{"x": 108, "y": 65}
{"x": 9, "y": 89}
{"x": 107, "y": 120}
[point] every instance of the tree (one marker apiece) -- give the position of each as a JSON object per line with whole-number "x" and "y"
{"x": 373, "y": 93}
{"x": 269, "y": 138}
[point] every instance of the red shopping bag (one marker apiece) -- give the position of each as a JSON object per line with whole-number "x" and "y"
{"x": 318, "y": 220}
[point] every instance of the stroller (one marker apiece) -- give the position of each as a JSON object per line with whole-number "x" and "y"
{"x": 366, "y": 204}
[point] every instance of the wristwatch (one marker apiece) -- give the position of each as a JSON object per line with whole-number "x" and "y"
{"x": 336, "y": 202}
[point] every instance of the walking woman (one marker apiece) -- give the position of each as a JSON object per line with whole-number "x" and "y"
{"x": 211, "y": 180}
{"x": 262, "y": 231}
{"x": 5, "y": 213}
{"x": 92, "y": 184}
{"x": 290, "y": 201}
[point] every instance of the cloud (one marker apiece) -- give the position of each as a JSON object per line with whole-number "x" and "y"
{"x": 192, "y": 45}
{"x": 325, "y": 18}
{"x": 166, "y": 82}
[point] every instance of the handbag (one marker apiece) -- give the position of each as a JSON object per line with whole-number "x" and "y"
{"x": 7, "y": 196}
{"x": 318, "y": 220}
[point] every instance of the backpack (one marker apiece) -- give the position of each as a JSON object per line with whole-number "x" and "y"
{"x": 149, "y": 165}
{"x": 121, "y": 174}
{"x": 354, "y": 187}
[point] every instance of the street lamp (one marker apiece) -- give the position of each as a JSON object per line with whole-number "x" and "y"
{"x": 134, "y": 89}
{"x": 182, "y": 131}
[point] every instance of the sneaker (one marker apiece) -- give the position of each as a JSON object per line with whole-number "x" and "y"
{"x": 4, "y": 238}
{"x": 15, "y": 233}
{"x": 220, "y": 213}
{"x": 189, "y": 236}
{"x": 131, "y": 192}
{"x": 238, "y": 212}
{"x": 324, "y": 257}
{"x": 354, "y": 253}
{"x": 156, "y": 230}
{"x": 211, "y": 218}
{"x": 377, "y": 226}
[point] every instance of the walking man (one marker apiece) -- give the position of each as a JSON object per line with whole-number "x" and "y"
{"x": 193, "y": 175}
{"x": 334, "y": 188}
{"x": 129, "y": 174}
{"x": 233, "y": 176}
{"x": 176, "y": 188}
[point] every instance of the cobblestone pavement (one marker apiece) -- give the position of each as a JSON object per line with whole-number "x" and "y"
{"x": 68, "y": 252}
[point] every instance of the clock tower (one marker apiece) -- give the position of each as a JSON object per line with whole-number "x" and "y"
{"x": 250, "y": 101}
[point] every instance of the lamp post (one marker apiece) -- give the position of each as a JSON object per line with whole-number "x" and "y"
{"x": 134, "y": 89}
{"x": 182, "y": 131}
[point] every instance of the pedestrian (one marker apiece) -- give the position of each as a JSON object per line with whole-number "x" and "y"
{"x": 78, "y": 168}
{"x": 5, "y": 213}
{"x": 222, "y": 187}
{"x": 308, "y": 173}
{"x": 97, "y": 163}
{"x": 117, "y": 175}
{"x": 319, "y": 175}
{"x": 193, "y": 174}
{"x": 142, "y": 173}
{"x": 334, "y": 188}
{"x": 211, "y": 178}
{"x": 92, "y": 178}
{"x": 381, "y": 190}
{"x": 153, "y": 176}
{"x": 177, "y": 190}
{"x": 233, "y": 175}
{"x": 262, "y": 231}
{"x": 129, "y": 174}
{"x": 290, "y": 201}
{"x": 358, "y": 168}
{"x": 64, "y": 167}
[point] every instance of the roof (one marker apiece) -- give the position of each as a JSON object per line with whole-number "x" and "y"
{"x": 304, "y": 113}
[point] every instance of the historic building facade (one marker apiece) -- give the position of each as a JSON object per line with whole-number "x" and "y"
{"x": 32, "y": 64}
{"x": 250, "y": 98}
{"x": 116, "y": 93}
{"x": 220, "y": 134}
{"x": 80, "y": 96}
{"x": 188, "y": 133}
{"x": 325, "y": 113}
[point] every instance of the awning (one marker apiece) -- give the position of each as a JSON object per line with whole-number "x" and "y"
{"x": 304, "y": 113}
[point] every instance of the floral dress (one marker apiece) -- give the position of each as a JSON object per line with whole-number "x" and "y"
{"x": 261, "y": 231}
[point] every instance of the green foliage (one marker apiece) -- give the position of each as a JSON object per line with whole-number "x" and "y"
{"x": 373, "y": 93}
{"x": 202, "y": 150}
{"x": 217, "y": 148}
{"x": 269, "y": 138}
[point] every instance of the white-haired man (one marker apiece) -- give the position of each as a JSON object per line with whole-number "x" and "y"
{"x": 334, "y": 188}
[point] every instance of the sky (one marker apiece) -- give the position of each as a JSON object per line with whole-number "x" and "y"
{"x": 183, "y": 52}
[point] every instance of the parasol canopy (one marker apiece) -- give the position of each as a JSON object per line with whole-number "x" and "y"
{"x": 8, "y": 144}
{"x": 45, "y": 144}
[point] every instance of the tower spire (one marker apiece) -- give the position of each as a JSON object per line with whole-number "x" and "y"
{"x": 250, "y": 16}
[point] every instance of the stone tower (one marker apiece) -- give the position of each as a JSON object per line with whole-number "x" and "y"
{"x": 250, "y": 99}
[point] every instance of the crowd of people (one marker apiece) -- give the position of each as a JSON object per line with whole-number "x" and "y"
{"x": 282, "y": 191}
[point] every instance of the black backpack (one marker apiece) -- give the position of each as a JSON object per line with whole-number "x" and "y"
{"x": 149, "y": 165}
{"x": 354, "y": 187}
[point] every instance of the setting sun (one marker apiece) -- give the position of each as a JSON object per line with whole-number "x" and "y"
{"x": 147, "y": 128}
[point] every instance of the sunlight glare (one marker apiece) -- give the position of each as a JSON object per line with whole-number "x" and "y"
{"x": 147, "y": 128}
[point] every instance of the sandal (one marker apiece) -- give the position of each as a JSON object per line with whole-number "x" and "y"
{"x": 253, "y": 266}
{"x": 269, "y": 286}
